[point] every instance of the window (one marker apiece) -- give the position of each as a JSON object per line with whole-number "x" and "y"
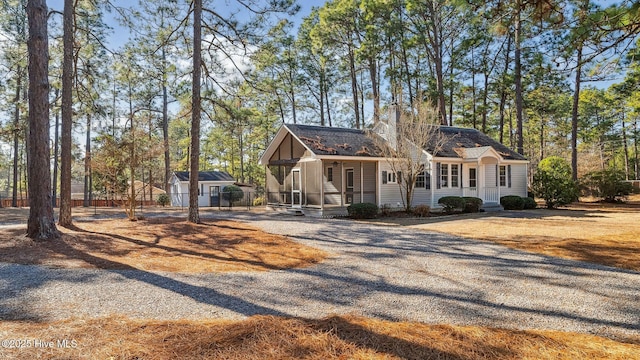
{"x": 427, "y": 180}
{"x": 349, "y": 176}
{"x": 420, "y": 180}
{"x": 389, "y": 177}
{"x": 444, "y": 175}
{"x": 472, "y": 178}
{"x": 454, "y": 175}
{"x": 504, "y": 175}
{"x": 329, "y": 174}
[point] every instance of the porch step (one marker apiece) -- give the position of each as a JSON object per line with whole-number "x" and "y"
{"x": 295, "y": 212}
{"x": 490, "y": 207}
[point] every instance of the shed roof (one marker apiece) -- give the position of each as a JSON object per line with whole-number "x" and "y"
{"x": 205, "y": 176}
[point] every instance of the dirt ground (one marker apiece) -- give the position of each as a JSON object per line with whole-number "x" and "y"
{"x": 599, "y": 233}
{"x": 159, "y": 244}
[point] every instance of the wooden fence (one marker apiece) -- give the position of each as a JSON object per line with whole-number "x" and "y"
{"x": 7, "y": 202}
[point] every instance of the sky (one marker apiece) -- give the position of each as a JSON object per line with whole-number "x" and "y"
{"x": 121, "y": 34}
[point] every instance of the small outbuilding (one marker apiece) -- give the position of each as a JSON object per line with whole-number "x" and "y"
{"x": 210, "y": 185}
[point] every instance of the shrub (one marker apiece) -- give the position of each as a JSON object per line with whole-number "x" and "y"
{"x": 163, "y": 199}
{"x": 608, "y": 185}
{"x": 258, "y": 201}
{"x": 552, "y": 182}
{"x": 512, "y": 202}
{"x": 362, "y": 211}
{"x": 529, "y": 203}
{"x": 422, "y": 210}
{"x": 472, "y": 204}
{"x": 451, "y": 203}
{"x": 385, "y": 210}
{"x": 232, "y": 193}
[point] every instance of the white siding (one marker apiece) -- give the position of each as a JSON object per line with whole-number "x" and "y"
{"x": 448, "y": 190}
{"x": 369, "y": 182}
{"x": 204, "y": 200}
{"x": 332, "y": 186}
{"x": 389, "y": 193}
{"x": 490, "y": 175}
{"x": 518, "y": 181}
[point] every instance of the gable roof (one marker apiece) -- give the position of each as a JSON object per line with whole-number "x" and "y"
{"x": 322, "y": 140}
{"x": 205, "y": 176}
{"x": 462, "y": 142}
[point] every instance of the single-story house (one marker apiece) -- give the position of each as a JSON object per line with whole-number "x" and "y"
{"x": 319, "y": 171}
{"x": 210, "y": 187}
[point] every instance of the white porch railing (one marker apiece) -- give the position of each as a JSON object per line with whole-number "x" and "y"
{"x": 491, "y": 195}
{"x": 470, "y": 191}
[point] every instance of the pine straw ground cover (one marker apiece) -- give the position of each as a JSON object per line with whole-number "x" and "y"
{"x": 594, "y": 232}
{"x": 160, "y": 244}
{"x": 267, "y": 337}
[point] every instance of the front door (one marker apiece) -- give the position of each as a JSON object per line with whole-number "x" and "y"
{"x": 214, "y": 193}
{"x": 348, "y": 176}
{"x": 296, "y": 190}
{"x": 472, "y": 182}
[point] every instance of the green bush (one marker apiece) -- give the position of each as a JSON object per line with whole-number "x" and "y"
{"x": 422, "y": 210}
{"x": 512, "y": 202}
{"x": 552, "y": 182}
{"x": 451, "y": 203}
{"x": 608, "y": 185}
{"x": 258, "y": 201}
{"x": 232, "y": 193}
{"x": 385, "y": 210}
{"x": 529, "y": 203}
{"x": 472, "y": 204}
{"x": 163, "y": 199}
{"x": 362, "y": 211}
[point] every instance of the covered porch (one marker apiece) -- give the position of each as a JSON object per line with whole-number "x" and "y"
{"x": 481, "y": 174}
{"x": 321, "y": 187}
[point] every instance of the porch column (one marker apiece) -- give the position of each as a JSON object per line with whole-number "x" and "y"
{"x": 342, "y": 183}
{"x": 480, "y": 183}
{"x": 361, "y": 183}
{"x": 322, "y": 184}
{"x": 498, "y": 179}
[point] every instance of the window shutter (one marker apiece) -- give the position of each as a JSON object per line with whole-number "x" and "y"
{"x": 438, "y": 177}
{"x": 427, "y": 180}
{"x": 497, "y": 175}
{"x": 509, "y": 175}
{"x": 460, "y": 175}
{"x": 399, "y": 175}
{"x": 384, "y": 177}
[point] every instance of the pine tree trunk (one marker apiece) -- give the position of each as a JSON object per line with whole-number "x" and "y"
{"x": 41, "y": 224}
{"x": 354, "y": 87}
{"x": 67, "y": 117}
{"x": 635, "y": 149}
{"x": 87, "y": 164}
{"x": 16, "y": 137}
{"x": 626, "y": 149}
{"x": 574, "y": 116}
{"x": 194, "y": 215}
{"x": 54, "y": 184}
{"x": 518, "y": 79}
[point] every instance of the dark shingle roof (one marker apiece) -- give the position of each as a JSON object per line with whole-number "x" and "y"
{"x": 461, "y": 138}
{"x": 352, "y": 142}
{"x": 335, "y": 141}
{"x": 205, "y": 176}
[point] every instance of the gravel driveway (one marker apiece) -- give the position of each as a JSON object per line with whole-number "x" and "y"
{"x": 380, "y": 271}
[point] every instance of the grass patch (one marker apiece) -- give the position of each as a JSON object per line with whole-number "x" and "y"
{"x": 160, "y": 244}
{"x": 268, "y": 337}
